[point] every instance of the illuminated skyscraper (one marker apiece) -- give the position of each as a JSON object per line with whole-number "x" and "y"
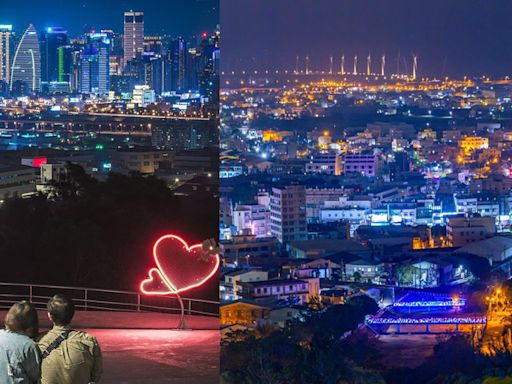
{"x": 133, "y": 35}
{"x": 95, "y": 63}
{"x": 178, "y": 57}
{"x": 55, "y": 58}
{"x": 26, "y": 66}
{"x": 5, "y": 52}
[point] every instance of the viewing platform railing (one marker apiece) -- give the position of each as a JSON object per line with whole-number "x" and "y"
{"x": 92, "y": 299}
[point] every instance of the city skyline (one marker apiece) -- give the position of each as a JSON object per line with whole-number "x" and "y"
{"x": 454, "y": 39}
{"x": 161, "y": 17}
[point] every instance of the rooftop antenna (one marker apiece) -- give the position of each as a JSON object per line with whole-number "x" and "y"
{"x": 355, "y": 65}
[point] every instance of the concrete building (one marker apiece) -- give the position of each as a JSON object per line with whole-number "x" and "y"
{"x": 143, "y": 160}
{"x": 316, "y": 198}
{"x": 325, "y": 163}
{"x": 52, "y": 172}
{"x": 367, "y": 165}
{"x": 269, "y": 290}
{"x": 363, "y": 270}
{"x": 231, "y": 288}
{"x": 463, "y": 230}
{"x": 16, "y": 181}
{"x": 243, "y": 312}
{"x": 288, "y": 213}
{"x": 252, "y": 217}
{"x": 247, "y": 248}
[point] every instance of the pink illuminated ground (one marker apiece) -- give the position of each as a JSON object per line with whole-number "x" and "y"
{"x": 159, "y": 356}
{"x": 143, "y": 348}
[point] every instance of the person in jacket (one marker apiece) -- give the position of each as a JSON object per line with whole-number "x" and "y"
{"x": 20, "y": 358}
{"x": 69, "y": 356}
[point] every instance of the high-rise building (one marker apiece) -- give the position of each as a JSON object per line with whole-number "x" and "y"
{"x": 178, "y": 59}
{"x": 5, "y": 52}
{"x": 153, "y": 44}
{"x": 55, "y": 57}
{"x": 26, "y": 66}
{"x": 193, "y": 68}
{"x": 95, "y": 64}
{"x": 133, "y": 35}
{"x": 288, "y": 213}
{"x": 209, "y": 76}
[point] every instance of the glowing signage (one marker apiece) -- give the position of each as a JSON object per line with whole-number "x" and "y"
{"x": 179, "y": 267}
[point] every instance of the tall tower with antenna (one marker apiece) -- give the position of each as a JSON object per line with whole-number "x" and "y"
{"x": 297, "y": 65}
{"x": 330, "y": 65}
{"x": 307, "y": 65}
{"x": 369, "y": 64}
{"x": 414, "y": 66}
{"x": 383, "y": 65}
{"x": 355, "y": 65}
{"x": 343, "y": 64}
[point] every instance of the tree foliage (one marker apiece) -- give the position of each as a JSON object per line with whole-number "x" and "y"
{"x": 312, "y": 350}
{"x": 98, "y": 234}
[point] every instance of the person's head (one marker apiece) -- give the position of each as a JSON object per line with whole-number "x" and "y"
{"x": 22, "y": 318}
{"x": 61, "y": 309}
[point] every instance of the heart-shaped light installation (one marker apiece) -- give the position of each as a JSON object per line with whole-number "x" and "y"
{"x": 179, "y": 267}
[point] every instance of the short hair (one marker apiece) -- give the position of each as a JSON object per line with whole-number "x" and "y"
{"x": 22, "y": 317}
{"x": 61, "y": 309}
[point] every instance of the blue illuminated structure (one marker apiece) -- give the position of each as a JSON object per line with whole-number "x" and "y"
{"x": 427, "y": 320}
{"x": 431, "y": 303}
{"x": 416, "y": 311}
{"x": 429, "y": 300}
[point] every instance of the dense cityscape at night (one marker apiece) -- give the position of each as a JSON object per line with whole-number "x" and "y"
{"x": 365, "y": 205}
{"x": 329, "y": 203}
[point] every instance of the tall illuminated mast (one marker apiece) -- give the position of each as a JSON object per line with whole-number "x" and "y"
{"x": 368, "y": 64}
{"x": 355, "y": 65}
{"x": 307, "y": 65}
{"x": 383, "y": 65}
{"x": 330, "y": 65}
{"x": 297, "y": 65}
{"x": 414, "y": 66}
{"x": 343, "y": 64}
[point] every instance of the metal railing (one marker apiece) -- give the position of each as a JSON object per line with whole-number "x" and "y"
{"x": 92, "y": 299}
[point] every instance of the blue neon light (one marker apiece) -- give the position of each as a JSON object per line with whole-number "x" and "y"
{"x": 434, "y": 303}
{"x": 427, "y": 320}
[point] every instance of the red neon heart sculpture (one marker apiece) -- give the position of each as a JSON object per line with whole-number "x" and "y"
{"x": 179, "y": 267}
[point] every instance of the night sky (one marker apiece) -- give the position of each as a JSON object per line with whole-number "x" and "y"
{"x": 175, "y": 17}
{"x": 450, "y": 37}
